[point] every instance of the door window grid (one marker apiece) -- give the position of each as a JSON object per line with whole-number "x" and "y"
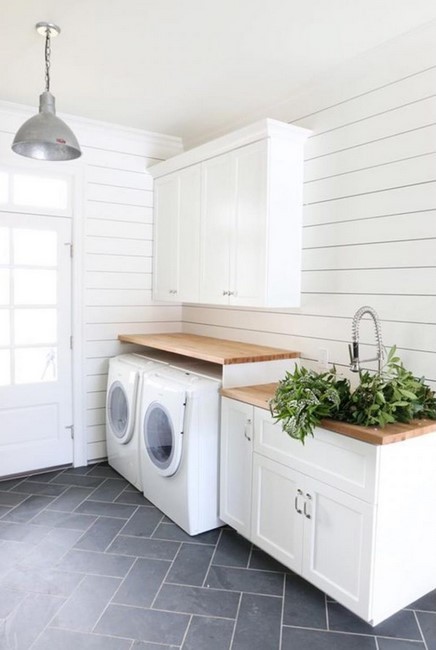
{"x": 28, "y": 354}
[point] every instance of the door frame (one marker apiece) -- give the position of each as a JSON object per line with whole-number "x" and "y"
{"x": 75, "y": 172}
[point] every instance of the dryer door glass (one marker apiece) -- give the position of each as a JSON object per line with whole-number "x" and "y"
{"x": 159, "y": 439}
{"x": 118, "y": 410}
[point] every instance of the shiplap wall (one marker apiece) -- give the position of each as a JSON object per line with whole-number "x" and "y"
{"x": 117, "y": 254}
{"x": 369, "y": 228}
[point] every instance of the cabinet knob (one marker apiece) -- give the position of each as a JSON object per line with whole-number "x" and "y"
{"x": 296, "y": 503}
{"x": 230, "y": 293}
{"x": 173, "y": 291}
{"x": 225, "y": 293}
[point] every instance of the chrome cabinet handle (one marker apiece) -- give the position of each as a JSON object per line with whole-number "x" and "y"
{"x": 247, "y": 428}
{"x": 296, "y": 504}
{"x": 172, "y": 291}
{"x": 307, "y": 514}
{"x": 225, "y": 293}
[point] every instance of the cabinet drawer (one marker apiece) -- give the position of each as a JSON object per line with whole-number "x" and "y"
{"x": 347, "y": 464}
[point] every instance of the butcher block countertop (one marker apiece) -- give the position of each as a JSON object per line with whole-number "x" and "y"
{"x": 261, "y": 394}
{"x": 209, "y": 349}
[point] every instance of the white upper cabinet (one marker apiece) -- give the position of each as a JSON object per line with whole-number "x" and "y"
{"x": 247, "y": 210}
{"x": 177, "y": 236}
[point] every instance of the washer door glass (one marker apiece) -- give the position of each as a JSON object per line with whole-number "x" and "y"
{"x": 162, "y": 445}
{"x": 118, "y": 411}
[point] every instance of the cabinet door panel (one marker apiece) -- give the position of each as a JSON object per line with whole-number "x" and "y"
{"x": 166, "y": 198}
{"x": 217, "y": 224}
{"x": 236, "y": 465}
{"x": 248, "y": 266}
{"x": 277, "y": 524}
{"x": 337, "y": 545}
{"x": 189, "y": 234}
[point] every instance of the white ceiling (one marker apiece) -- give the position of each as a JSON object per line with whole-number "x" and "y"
{"x": 188, "y": 67}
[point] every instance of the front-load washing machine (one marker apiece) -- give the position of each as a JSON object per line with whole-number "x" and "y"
{"x": 178, "y": 441}
{"x": 125, "y": 377}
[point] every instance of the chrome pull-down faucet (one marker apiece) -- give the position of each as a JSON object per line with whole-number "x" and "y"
{"x": 353, "y": 347}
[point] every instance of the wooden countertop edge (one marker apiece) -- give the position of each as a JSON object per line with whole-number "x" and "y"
{"x": 261, "y": 394}
{"x": 218, "y": 351}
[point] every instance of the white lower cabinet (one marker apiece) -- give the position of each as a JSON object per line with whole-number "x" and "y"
{"x": 236, "y": 465}
{"x": 317, "y": 531}
{"x": 356, "y": 520}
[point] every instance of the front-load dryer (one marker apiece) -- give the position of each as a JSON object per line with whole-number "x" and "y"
{"x": 125, "y": 376}
{"x": 178, "y": 441}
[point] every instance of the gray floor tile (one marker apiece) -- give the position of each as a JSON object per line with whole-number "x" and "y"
{"x": 141, "y": 645}
{"x": 100, "y": 534}
{"x": 427, "y": 603}
{"x": 109, "y": 490}
{"x": 402, "y": 625}
{"x": 52, "y": 639}
{"x": 70, "y": 499}
{"x": 298, "y": 639}
{"x": 74, "y": 521}
{"x": 41, "y": 581}
{"x": 191, "y": 564}
{"x": 395, "y": 644}
{"x": 9, "y": 599}
{"x": 197, "y": 600}
{"x": 96, "y": 563}
{"x": 105, "y": 471}
{"x": 261, "y": 560}
{"x": 86, "y": 604}
{"x": 51, "y": 549}
{"x": 427, "y": 622}
{"x": 209, "y": 633}
{"x": 249, "y": 580}
{"x": 68, "y": 478}
{"x": 11, "y": 498}
{"x": 28, "y": 620}
{"x": 304, "y": 604}
{"x": 91, "y": 507}
{"x": 36, "y": 487}
{"x": 134, "y": 498}
{"x": 144, "y": 547}
{"x": 22, "y": 532}
{"x": 142, "y": 583}
{"x": 143, "y": 624}
{"x": 232, "y": 549}
{"x": 143, "y": 523}
{"x": 7, "y": 484}
{"x": 28, "y": 509}
{"x": 258, "y": 624}
{"x": 45, "y": 477}
{"x": 172, "y": 531}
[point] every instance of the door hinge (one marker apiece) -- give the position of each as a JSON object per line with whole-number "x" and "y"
{"x": 71, "y": 342}
{"x": 71, "y": 428}
{"x": 70, "y": 244}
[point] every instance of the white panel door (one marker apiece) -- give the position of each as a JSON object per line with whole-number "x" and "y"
{"x": 35, "y": 355}
{"x": 249, "y": 242}
{"x": 217, "y": 225}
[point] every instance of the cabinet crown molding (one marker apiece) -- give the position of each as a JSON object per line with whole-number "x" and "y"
{"x": 267, "y": 128}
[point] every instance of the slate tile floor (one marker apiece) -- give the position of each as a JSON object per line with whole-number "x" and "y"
{"x": 86, "y": 563}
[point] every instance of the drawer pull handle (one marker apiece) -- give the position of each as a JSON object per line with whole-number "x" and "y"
{"x": 296, "y": 504}
{"x": 307, "y": 514}
{"x": 247, "y": 429}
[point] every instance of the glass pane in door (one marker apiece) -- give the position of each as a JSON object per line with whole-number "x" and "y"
{"x": 35, "y": 247}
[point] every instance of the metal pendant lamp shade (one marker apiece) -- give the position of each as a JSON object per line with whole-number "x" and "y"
{"x": 45, "y": 136}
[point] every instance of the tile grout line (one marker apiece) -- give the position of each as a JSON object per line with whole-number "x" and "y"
{"x": 212, "y": 558}
{"x": 420, "y": 630}
{"x": 236, "y": 621}
{"x": 282, "y": 611}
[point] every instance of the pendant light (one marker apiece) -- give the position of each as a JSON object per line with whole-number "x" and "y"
{"x": 45, "y": 136}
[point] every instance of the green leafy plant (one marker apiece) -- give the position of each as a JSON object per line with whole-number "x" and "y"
{"x": 303, "y": 398}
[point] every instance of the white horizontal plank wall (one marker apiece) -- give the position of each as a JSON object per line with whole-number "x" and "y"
{"x": 369, "y": 218}
{"x": 118, "y": 238}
